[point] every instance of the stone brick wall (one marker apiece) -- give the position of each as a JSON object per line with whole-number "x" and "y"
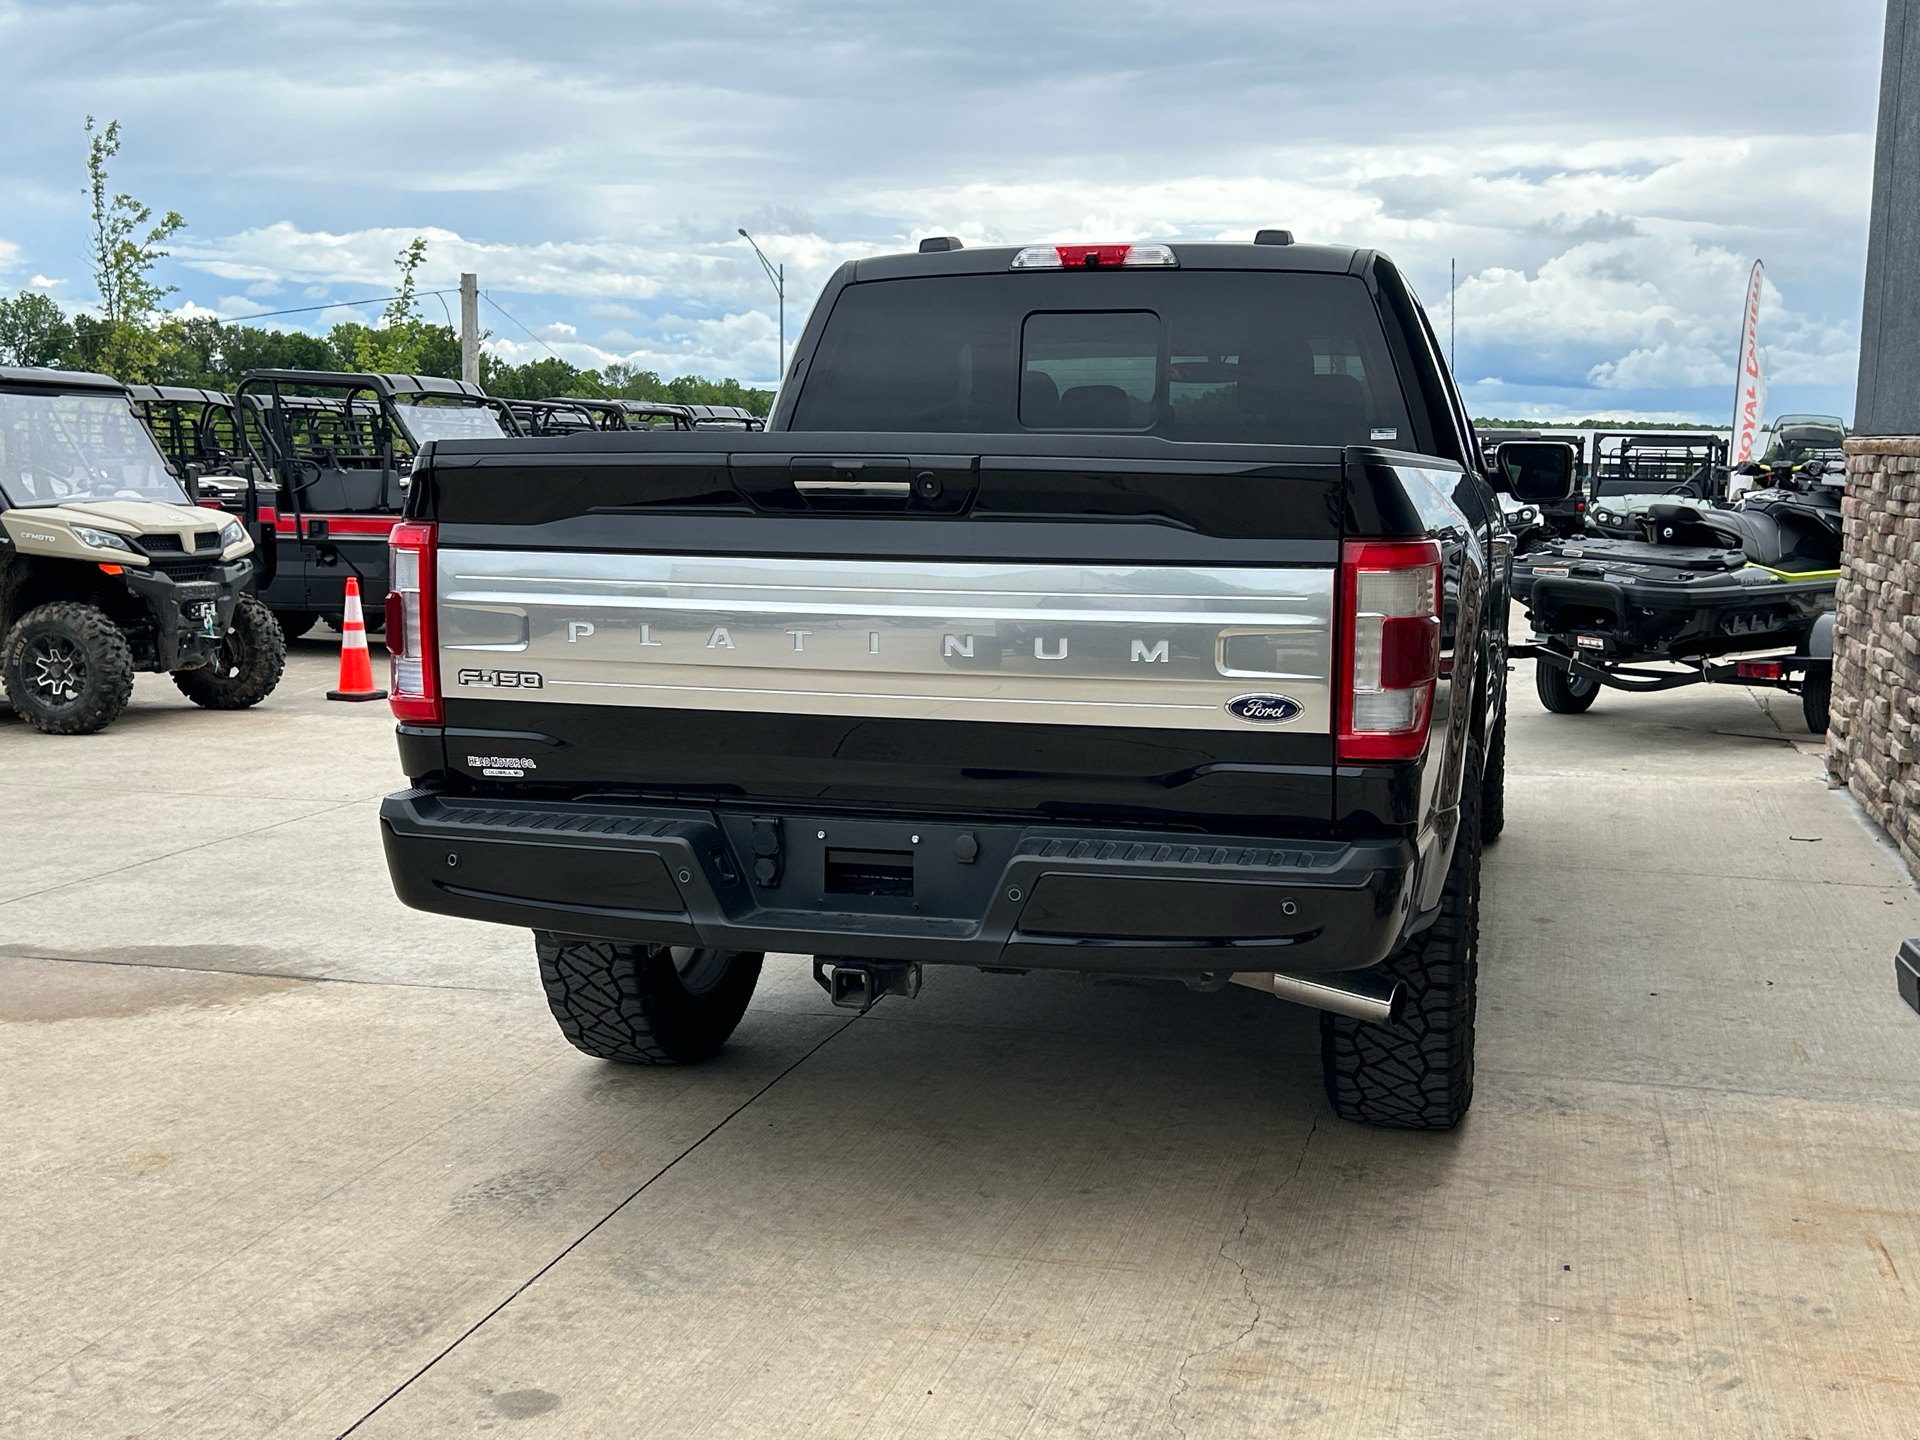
{"x": 1871, "y": 740}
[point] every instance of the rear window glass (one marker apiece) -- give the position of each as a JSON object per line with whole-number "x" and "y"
{"x": 1236, "y": 356}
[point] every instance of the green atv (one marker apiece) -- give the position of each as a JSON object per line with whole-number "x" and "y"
{"x": 108, "y": 567}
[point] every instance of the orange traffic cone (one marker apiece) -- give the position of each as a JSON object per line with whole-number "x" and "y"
{"x": 356, "y": 666}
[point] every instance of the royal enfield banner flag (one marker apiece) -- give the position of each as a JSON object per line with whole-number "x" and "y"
{"x": 1750, "y": 385}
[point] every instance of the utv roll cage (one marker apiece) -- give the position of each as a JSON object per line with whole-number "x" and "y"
{"x": 337, "y": 441}
{"x": 191, "y": 426}
{"x": 1651, "y": 462}
{"x": 724, "y": 417}
{"x": 572, "y": 414}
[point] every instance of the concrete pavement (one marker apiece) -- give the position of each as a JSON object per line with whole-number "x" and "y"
{"x": 284, "y": 1158}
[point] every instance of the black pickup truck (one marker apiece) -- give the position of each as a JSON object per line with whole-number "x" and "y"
{"x": 1117, "y": 608}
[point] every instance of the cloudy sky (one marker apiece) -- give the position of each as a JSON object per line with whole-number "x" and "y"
{"x": 1603, "y": 175}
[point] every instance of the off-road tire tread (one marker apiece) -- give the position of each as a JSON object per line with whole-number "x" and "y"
{"x": 262, "y": 662}
{"x": 1418, "y": 1074}
{"x": 110, "y": 657}
{"x": 624, "y": 1002}
{"x": 1555, "y": 688}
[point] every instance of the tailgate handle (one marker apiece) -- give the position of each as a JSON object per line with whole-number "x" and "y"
{"x": 854, "y": 486}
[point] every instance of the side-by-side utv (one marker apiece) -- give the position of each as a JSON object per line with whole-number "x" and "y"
{"x": 331, "y": 453}
{"x": 107, "y": 568}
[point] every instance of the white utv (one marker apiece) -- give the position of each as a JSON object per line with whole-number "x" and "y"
{"x": 108, "y": 567}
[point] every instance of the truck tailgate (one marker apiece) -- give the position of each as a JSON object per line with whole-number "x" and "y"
{"x": 1116, "y": 660}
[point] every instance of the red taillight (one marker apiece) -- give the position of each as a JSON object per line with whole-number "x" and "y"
{"x": 1389, "y": 647}
{"x": 1094, "y": 257}
{"x": 415, "y": 689}
{"x": 1759, "y": 670}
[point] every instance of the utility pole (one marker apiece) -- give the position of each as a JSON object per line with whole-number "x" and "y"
{"x": 470, "y": 329}
{"x": 778, "y": 275}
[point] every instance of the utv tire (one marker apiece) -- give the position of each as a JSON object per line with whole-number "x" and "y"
{"x": 645, "y": 1004}
{"x": 295, "y": 623}
{"x": 1493, "y": 785}
{"x": 67, "y": 669}
{"x": 1816, "y": 700}
{"x": 1417, "y": 1074}
{"x": 253, "y": 652}
{"x": 1562, "y": 693}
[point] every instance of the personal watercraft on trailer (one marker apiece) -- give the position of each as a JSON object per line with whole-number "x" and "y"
{"x": 1701, "y": 593}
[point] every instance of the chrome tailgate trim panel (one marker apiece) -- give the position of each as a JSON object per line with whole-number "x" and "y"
{"x": 1072, "y": 644}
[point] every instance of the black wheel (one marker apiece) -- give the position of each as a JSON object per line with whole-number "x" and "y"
{"x": 1418, "y": 1074}
{"x": 1816, "y": 698}
{"x": 295, "y": 623}
{"x": 67, "y": 668}
{"x": 252, "y": 655}
{"x": 645, "y": 1004}
{"x": 1562, "y": 693}
{"x": 1493, "y": 784}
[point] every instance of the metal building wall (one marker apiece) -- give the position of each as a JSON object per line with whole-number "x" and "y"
{"x": 1888, "y": 402}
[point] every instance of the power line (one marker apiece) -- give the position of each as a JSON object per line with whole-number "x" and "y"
{"x": 583, "y": 374}
{"x": 330, "y": 305}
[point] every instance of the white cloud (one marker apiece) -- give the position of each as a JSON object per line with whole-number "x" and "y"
{"x": 1591, "y": 189}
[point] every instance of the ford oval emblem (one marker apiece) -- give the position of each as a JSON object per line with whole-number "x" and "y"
{"x": 1264, "y": 709}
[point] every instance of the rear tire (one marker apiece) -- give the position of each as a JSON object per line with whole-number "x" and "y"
{"x": 295, "y": 623}
{"x": 1493, "y": 787}
{"x": 252, "y": 655}
{"x": 1418, "y": 1074}
{"x": 67, "y": 669}
{"x": 1562, "y": 693}
{"x": 1816, "y": 699}
{"x": 645, "y": 1004}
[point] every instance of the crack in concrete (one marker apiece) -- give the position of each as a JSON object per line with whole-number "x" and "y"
{"x": 1257, "y": 1305}
{"x": 9, "y": 952}
{"x": 592, "y": 1229}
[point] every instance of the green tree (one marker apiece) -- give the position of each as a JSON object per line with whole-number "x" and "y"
{"x": 539, "y": 380}
{"x": 403, "y": 343}
{"x": 122, "y": 339}
{"x": 205, "y": 352}
{"x": 33, "y": 331}
{"x": 627, "y": 383}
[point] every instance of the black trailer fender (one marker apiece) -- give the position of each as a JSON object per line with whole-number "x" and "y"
{"x": 1820, "y": 638}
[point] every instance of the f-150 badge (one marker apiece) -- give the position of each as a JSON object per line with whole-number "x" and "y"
{"x": 1264, "y": 709}
{"x": 504, "y": 679}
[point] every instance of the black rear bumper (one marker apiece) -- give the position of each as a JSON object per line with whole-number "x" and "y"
{"x": 875, "y": 887}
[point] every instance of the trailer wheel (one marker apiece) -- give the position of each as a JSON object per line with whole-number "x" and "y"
{"x": 67, "y": 669}
{"x": 1562, "y": 693}
{"x": 645, "y": 1004}
{"x": 1418, "y": 1074}
{"x": 1816, "y": 699}
{"x": 252, "y": 655}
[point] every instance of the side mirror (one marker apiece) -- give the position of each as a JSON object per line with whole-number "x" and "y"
{"x": 192, "y": 478}
{"x": 1538, "y": 470}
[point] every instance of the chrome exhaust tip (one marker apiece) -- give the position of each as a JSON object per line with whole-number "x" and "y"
{"x": 1360, "y": 994}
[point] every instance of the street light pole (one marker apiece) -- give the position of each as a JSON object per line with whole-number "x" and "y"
{"x": 778, "y": 275}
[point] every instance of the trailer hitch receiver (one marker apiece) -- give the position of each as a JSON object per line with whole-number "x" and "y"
{"x": 860, "y": 984}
